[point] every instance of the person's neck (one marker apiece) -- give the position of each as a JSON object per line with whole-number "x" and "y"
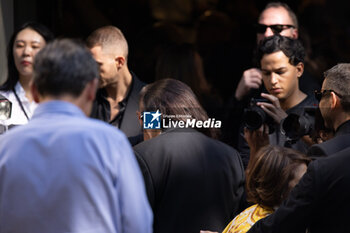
{"x": 119, "y": 90}
{"x": 292, "y": 100}
{"x": 25, "y": 83}
{"x": 340, "y": 119}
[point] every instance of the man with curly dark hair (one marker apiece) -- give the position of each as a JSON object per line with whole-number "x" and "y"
{"x": 282, "y": 64}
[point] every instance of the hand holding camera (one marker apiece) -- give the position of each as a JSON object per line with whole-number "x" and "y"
{"x": 273, "y": 107}
{"x": 266, "y": 110}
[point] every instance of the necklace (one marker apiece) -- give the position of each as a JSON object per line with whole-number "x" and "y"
{"x": 20, "y": 104}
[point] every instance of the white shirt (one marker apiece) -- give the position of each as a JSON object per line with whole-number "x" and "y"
{"x": 17, "y": 115}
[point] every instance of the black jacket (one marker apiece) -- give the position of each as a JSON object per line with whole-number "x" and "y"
{"x": 320, "y": 202}
{"x": 129, "y": 122}
{"x": 193, "y": 182}
{"x": 340, "y": 141}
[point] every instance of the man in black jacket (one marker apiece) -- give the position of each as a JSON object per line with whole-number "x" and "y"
{"x": 335, "y": 109}
{"x": 117, "y": 99}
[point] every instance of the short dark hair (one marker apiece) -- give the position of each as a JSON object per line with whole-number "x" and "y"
{"x": 291, "y": 13}
{"x": 13, "y": 75}
{"x": 337, "y": 78}
{"x": 292, "y": 48}
{"x": 173, "y": 97}
{"x": 269, "y": 174}
{"x": 64, "y": 66}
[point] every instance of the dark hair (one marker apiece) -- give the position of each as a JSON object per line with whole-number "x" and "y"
{"x": 269, "y": 174}
{"x": 292, "y": 48}
{"x": 64, "y": 66}
{"x": 337, "y": 78}
{"x": 13, "y": 75}
{"x": 173, "y": 97}
{"x": 291, "y": 13}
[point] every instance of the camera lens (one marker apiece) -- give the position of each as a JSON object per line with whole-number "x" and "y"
{"x": 254, "y": 118}
{"x": 295, "y": 126}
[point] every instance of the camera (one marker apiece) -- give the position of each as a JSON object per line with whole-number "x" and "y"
{"x": 5, "y": 108}
{"x": 295, "y": 126}
{"x": 254, "y": 116}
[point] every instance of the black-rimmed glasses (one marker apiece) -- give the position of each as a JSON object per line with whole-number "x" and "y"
{"x": 320, "y": 94}
{"x": 276, "y": 28}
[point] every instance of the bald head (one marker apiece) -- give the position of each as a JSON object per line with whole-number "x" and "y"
{"x": 110, "y": 39}
{"x": 282, "y": 12}
{"x": 277, "y": 13}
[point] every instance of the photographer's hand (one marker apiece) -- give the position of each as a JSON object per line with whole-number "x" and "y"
{"x": 251, "y": 79}
{"x": 256, "y": 139}
{"x": 274, "y": 108}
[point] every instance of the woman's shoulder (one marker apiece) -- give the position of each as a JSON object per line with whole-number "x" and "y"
{"x": 6, "y": 94}
{"x": 247, "y": 218}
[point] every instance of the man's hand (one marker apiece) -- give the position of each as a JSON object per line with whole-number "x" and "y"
{"x": 274, "y": 108}
{"x": 256, "y": 139}
{"x": 251, "y": 79}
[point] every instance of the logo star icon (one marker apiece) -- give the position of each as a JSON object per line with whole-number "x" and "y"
{"x": 155, "y": 116}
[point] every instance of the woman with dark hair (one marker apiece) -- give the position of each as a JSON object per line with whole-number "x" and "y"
{"x": 271, "y": 174}
{"x": 188, "y": 175}
{"x": 24, "y": 44}
{"x": 174, "y": 98}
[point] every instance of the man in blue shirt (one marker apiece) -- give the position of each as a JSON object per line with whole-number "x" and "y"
{"x": 64, "y": 172}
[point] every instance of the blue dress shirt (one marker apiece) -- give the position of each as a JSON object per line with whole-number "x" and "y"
{"x": 64, "y": 172}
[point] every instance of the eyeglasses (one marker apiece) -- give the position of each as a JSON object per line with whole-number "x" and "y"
{"x": 276, "y": 28}
{"x": 320, "y": 94}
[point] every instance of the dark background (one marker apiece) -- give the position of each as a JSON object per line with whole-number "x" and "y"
{"x": 222, "y": 30}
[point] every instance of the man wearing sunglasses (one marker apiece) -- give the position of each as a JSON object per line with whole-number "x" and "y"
{"x": 276, "y": 19}
{"x": 320, "y": 202}
{"x": 335, "y": 109}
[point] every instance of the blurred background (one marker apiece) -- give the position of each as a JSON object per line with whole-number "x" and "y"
{"x": 220, "y": 30}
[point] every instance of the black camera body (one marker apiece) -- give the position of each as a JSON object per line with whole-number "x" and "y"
{"x": 254, "y": 116}
{"x": 295, "y": 126}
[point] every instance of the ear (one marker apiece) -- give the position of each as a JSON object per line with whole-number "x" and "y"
{"x": 91, "y": 89}
{"x": 300, "y": 69}
{"x": 119, "y": 61}
{"x": 34, "y": 91}
{"x": 138, "y": 113}
{"x": 335, "y": 101}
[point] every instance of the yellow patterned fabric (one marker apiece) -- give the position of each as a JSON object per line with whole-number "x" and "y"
{"x": 246, "y": 219}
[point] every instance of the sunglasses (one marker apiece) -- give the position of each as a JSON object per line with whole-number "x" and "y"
{"x": 276, "y": 28}
{"x": 320, "y": 94}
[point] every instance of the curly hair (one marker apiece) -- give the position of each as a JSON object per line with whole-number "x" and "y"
{"x": 292, "y": 48}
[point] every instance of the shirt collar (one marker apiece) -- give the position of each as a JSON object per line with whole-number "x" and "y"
{"x": 58, "y": 107}
{"x": 343, "y": 128}
{"x": 103, "y": 93}
{"x": 20, "y": 91}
